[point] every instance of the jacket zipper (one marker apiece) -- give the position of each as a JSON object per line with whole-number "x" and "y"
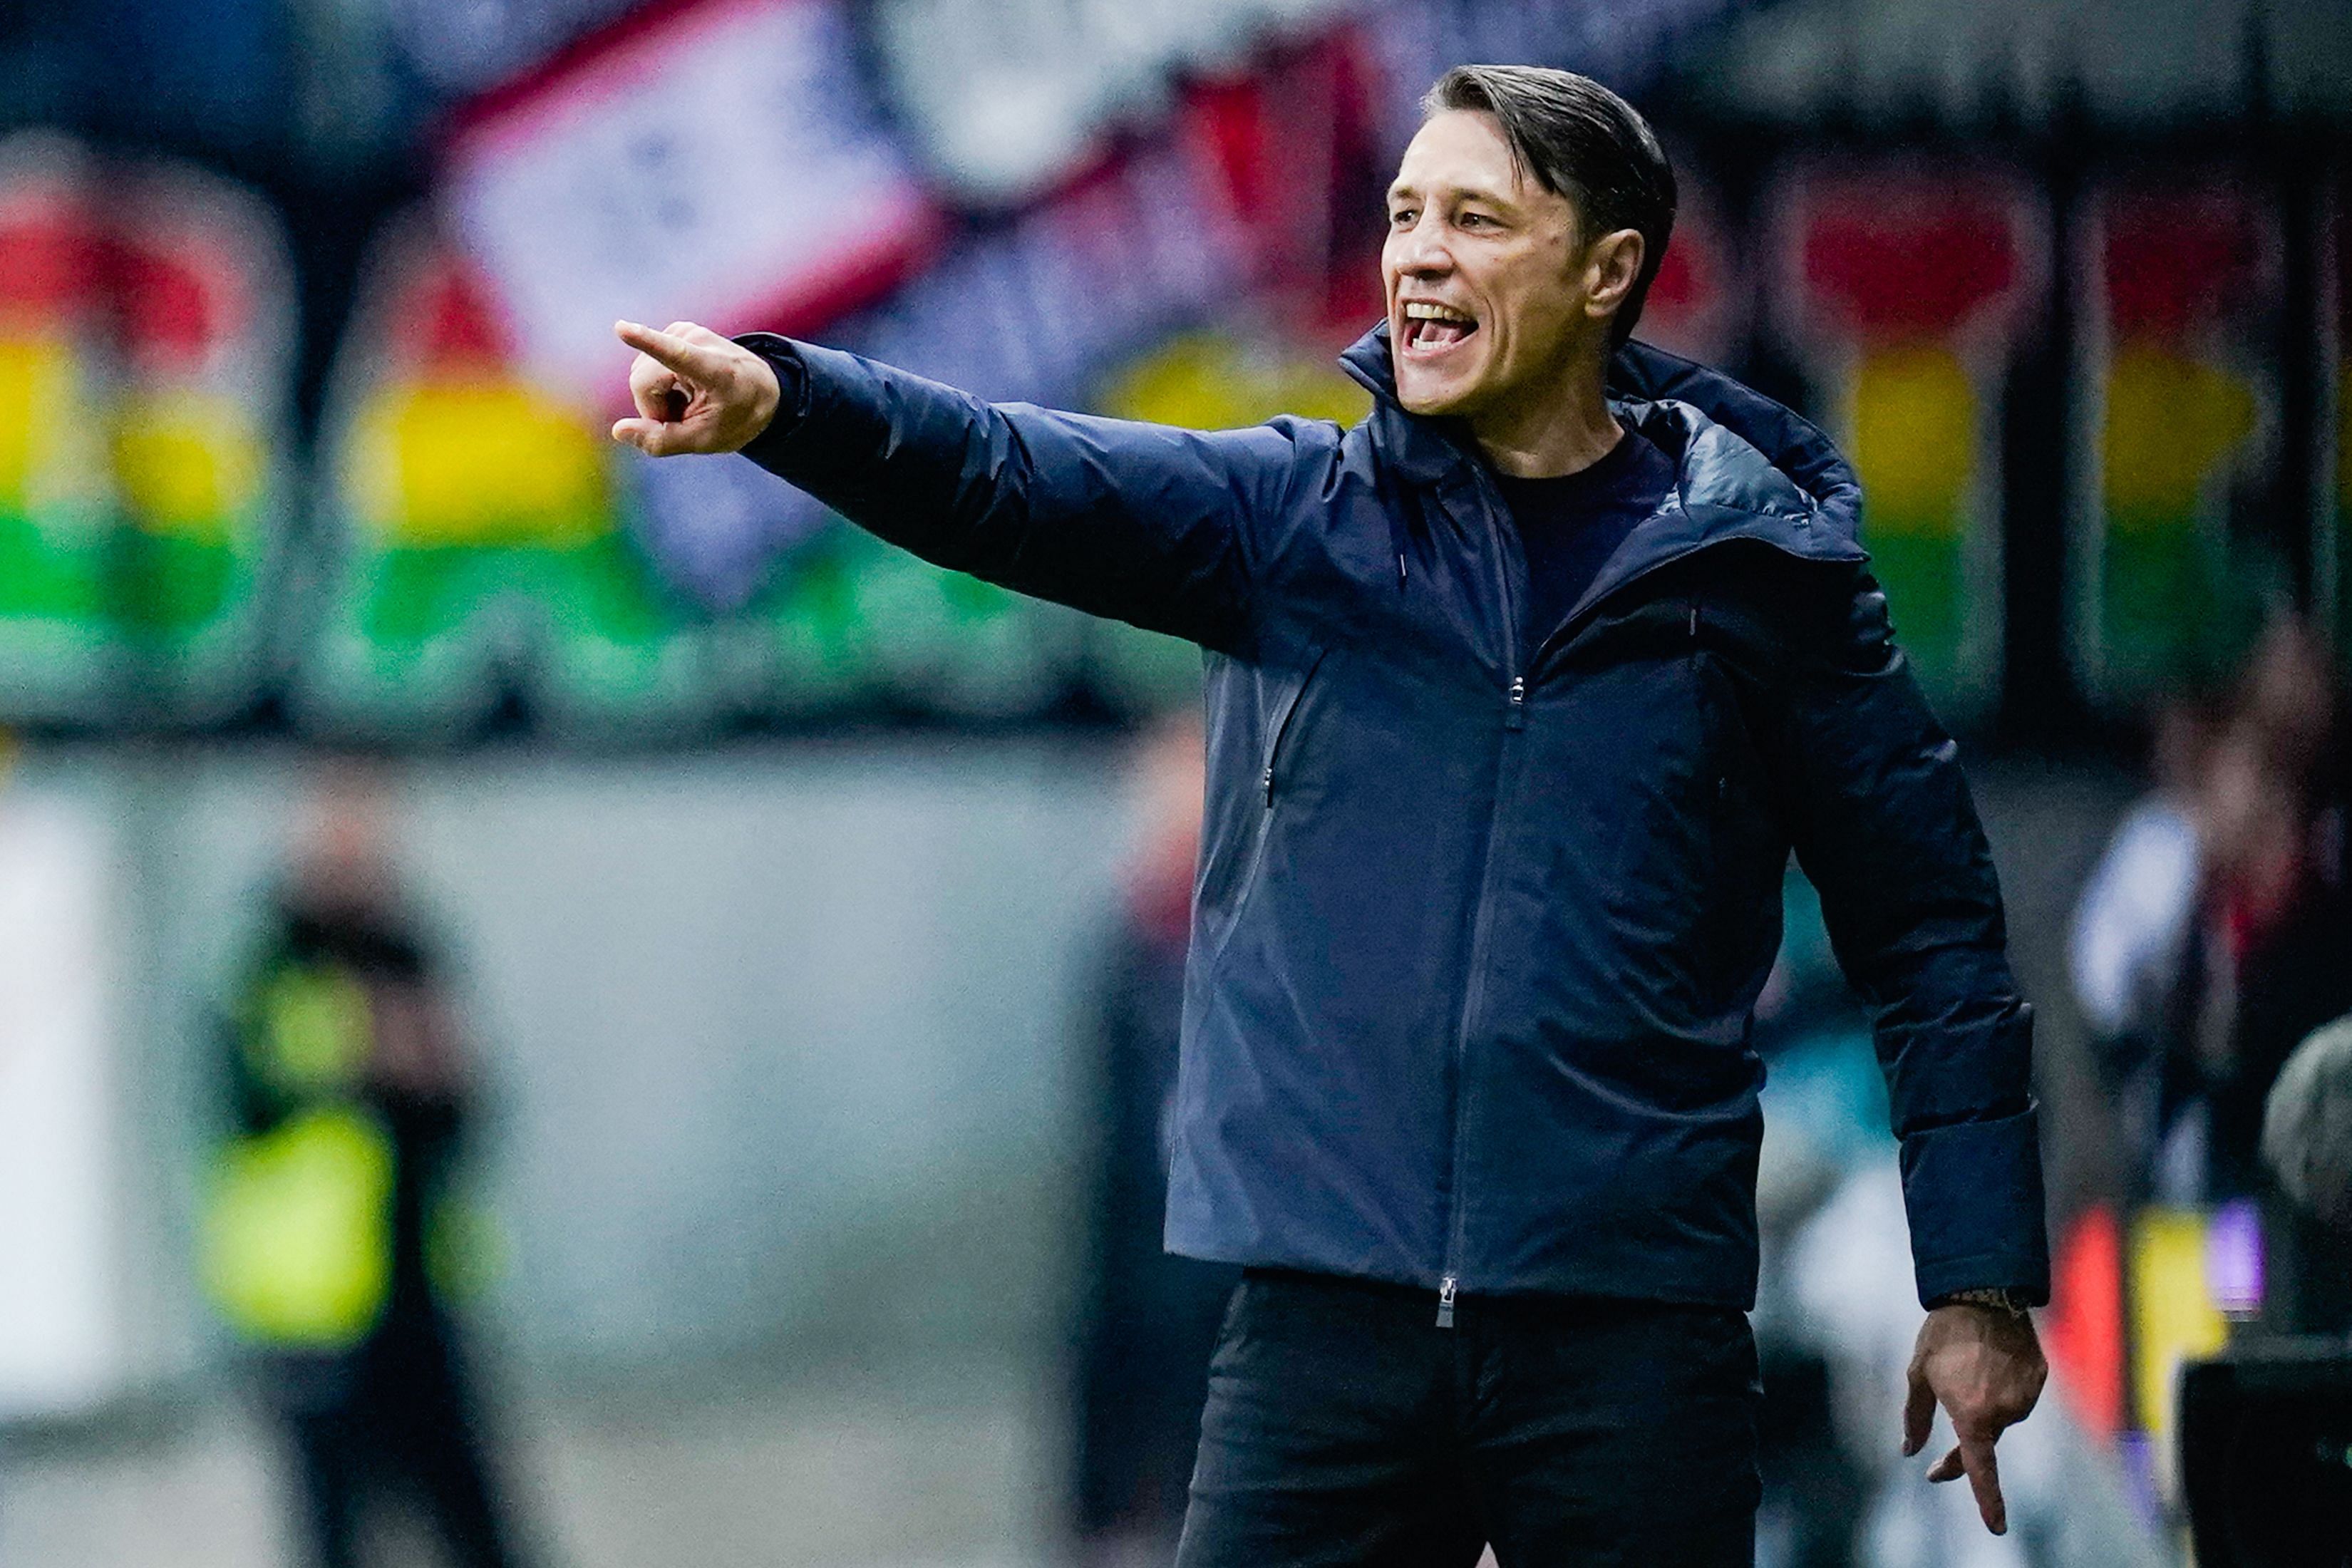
{"x": 1515, "y": 722}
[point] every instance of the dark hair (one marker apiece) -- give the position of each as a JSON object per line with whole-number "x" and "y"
{"x": 1578, "y": 140}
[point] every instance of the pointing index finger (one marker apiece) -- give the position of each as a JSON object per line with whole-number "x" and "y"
{"x": 687, "y": 359}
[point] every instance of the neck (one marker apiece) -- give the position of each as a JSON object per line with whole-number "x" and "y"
{"x": 1561, "y": 429}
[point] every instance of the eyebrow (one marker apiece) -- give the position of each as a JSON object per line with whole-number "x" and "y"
{"x": 1465, "y": 192}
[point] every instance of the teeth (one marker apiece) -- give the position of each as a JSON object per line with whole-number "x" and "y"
{"x": 1427, "y": 311}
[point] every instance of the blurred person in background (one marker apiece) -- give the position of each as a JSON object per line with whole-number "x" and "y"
{"x": 2135, "y": 920}
{"x": 1149, "y": 1318}
{"x": 2270, "y": 965}
{"x": 1519, "y": 694}
{"x": 334, "y": 1236}
{"x": 2134, "y": 914}
{"x": 2212, "y": 937}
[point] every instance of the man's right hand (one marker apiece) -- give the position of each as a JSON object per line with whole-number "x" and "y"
{"x": 1984, "y": 1366}
{"x": 695, "y": 391}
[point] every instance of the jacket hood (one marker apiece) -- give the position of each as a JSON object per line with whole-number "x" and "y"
{"x": 1736, "y": 451}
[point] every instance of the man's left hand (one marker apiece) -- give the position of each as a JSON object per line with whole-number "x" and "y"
{"x": 1984, "y": 1366}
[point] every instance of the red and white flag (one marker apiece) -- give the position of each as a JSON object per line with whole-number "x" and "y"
{"x": 719, "y": 162}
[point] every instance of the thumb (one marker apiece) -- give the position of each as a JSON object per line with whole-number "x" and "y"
{"x": 654, "y": 438}
{"x": 1918, "y": 1411}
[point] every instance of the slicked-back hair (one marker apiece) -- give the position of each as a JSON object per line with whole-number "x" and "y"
{"x": 1577, "y": 139}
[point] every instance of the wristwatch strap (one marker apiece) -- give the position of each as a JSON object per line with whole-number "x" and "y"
{"x": 1996, "y": 1296}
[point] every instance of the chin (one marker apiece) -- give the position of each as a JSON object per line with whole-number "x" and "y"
{"x": 1427, "y": 390}
{"x": 1435, "y": 401}
{"x": 1423, "y": 393}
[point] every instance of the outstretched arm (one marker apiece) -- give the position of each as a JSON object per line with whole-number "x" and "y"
{"x": 1167, "y": 529}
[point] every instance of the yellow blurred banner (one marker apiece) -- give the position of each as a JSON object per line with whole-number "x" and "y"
{"x": 2173, "y": 1318}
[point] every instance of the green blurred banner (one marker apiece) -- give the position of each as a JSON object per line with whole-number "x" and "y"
{"x": 487, "y": 541}
{"x": 2179, "y": 291}
{"x": 1907, "y": 288}
{"x": 145, "y": 325}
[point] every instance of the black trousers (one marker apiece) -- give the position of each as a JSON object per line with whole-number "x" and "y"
{"x": 393, "y": 1415}
{"x": 1344, "y": 1426}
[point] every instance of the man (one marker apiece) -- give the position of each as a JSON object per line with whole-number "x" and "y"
{"x": 333, "y": 1232}
{"x": 1519, "y": 694}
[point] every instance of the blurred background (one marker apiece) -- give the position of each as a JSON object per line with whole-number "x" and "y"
{"x": 698, "y": 987}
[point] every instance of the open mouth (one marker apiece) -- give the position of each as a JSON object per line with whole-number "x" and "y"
{"x": 1428, "y": 326}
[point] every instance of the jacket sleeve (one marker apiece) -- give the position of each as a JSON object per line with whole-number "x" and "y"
{"x": 1165, "y": 528}
{"x": 1872, "y": 796}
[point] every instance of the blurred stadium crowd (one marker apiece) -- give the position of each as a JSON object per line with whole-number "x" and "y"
{"x": 794, "y": 930}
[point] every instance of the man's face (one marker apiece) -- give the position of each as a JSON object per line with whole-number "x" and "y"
{"x": 1482, "y": 272}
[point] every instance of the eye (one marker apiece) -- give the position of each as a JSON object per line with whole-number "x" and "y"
{"x": 1475, "y": 220}
{"x": 1401, "y": 218}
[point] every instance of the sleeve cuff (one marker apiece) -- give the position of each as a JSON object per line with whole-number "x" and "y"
{"x": 1973, "y": 1191}
{"x": 784, "y": 357}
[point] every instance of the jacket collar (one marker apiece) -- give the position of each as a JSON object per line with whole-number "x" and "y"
{"x": 1746, "y": 466}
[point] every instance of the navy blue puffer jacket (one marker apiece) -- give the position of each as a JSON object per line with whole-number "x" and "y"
{"x": 1483, "y": 909}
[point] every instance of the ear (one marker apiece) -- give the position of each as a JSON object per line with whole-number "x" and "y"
{"x": 1610, "y": 266}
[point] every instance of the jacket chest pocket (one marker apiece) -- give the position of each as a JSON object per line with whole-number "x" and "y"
{"x": 1666, "y": 707}
{"x": 1280, "y": 718}
{"x": 1238, "y": 848}
{"x": 1745, "y": 854}
{"x": 1659, "y": 825}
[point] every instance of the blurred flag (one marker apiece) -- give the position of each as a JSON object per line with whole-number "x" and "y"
{"x": 716, "y": 161}
{"x": 1039, "y": 306}
{"x": 476, "y": 527}
{"x": 485, "y": 538}
{"x": 1905, "y": 291}
{"x": 1005, "y": 99}
{"x": 1291, "y": 152}
{"x": 462, "y": 49}
{"x": 2180, "y": 280}
{"x": 146, "y": 321}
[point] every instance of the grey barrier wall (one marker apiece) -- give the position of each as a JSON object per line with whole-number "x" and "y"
{"x": 776, "y": 1043}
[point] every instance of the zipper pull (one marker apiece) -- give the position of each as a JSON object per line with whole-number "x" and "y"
{"x": 1445, "y": 1302}
{"x": 1515, "y": 717}
{"x": 1269, "y": 786}
{"x": 1694, "y": 618}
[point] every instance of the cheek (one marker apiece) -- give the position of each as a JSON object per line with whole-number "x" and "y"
{"x": 1543, "y": 319}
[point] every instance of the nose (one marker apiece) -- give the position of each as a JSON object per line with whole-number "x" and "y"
{"x": 1419, "y": 250}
